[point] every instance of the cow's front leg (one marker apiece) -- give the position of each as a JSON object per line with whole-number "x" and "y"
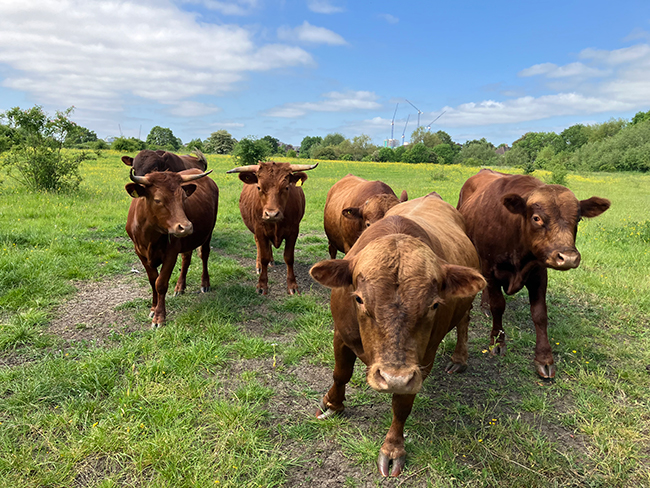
{"x": 458, "y": 362}
{"x": 537, "y": 285}
{"x": 204, "y": 254}
{"x": 392, "y": 451}
{"x": 162, "y": 284}
{"x": 268, "y": 252}
{"x": 332, "y": 402}
{"x": 289, "y": 248}
{"x": 263, "y": 259}
{"x": 497, "y": 307}
{"x": 152, "y": 274}
{"x": 182, "y": 277}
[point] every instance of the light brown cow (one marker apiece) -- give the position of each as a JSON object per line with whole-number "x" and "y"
{"x": 147, "y": 161}
{"x": 408, "y": 281}
{"x": 353, "y": 204}
{"x": 171, "y": 214}
{"x": 272, "y": 207}
{"x": 522, "y": 226}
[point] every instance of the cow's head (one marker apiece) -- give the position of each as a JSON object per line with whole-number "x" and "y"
{"x": 273, "y": 181}
{"x": 397, "y": 286}
{"x": 148, "y": 161}
{"x": 372, "y": 209}
{"x": 165, "y": 192}
{"x": 550, "y": 222}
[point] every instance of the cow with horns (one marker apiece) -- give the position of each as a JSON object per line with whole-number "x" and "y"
{"x": 148, "y": 161}
{"x": 171, "y": 214}
{"x": 272, "y": 206}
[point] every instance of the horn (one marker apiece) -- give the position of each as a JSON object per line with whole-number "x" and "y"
{"x": 186, "y": 178}
{"x": 302, "y": 167}
{"x": 141, "y": 180}
{"x": 245, "y": 169}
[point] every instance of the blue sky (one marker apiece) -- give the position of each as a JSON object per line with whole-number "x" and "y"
{"x": 296, "y": 68}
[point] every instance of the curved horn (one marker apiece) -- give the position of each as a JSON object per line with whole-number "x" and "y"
{"x": 245, "y": 169}
{"x": 186, "y": 178}
{"x": 141, "y": 180}
{"x": 302, "y": 167}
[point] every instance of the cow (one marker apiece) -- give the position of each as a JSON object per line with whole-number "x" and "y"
{"x": 353, "y": 204}
{"x": 272, "y": 206}
{"x": 408, "y": 281}
{"x": 147, "y": 161}
{"x": 521, "y": 227}
{"x": 171, "y": 214}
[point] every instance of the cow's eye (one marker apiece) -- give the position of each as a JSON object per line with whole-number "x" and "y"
{"x": 367, "y": 224}
{"x": 157, "y": 201}
{"x": 287, "y": 188}
{"x": 259, "y": 188}
{"x": 435, "y": 305}
{"x": 358, "y": 299}
{"x": 537, "y": 219}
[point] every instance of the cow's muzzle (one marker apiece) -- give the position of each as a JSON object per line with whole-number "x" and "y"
{"x": 182, "y": 230}
{"x": 404, "y": 380}
{"x": 272, "y": 215}
{"x": 564, "y": 259}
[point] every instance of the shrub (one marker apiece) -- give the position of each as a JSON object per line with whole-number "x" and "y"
{"x": 250, "y": 150}
{"x": 419, "y": 153}
{"x": 130, "y": 144}
{"x": 291, "y": 153}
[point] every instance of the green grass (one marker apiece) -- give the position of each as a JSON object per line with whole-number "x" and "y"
{"x": 225, "y": 393}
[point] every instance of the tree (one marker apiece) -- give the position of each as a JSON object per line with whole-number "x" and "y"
{"x": 419, "y": 153}
{"x": 195, "y": 144}
{"x": 640, "y": 117}
{"x": 163, "y": 137}
{"x": 273, "y": 142}
{"x": 574, "y": 137}
{"x": 429, "y": 139}
{"x": 6, "y": 137}
{"x": 385, "y": 154}
{"x": 307, "y": 143}
{"x": 533, "y": 142}
{"x": 323, "y": 152}
{"x": 130, "y": 144}
{"x": 250, "y": 150}
{"x": 220, "y": 142}
{"x": 444, "y": 153}
{"x": 477, "y": 150}
{"x": 79, "y": 135}
{"x": 36, "y": 159}
{"x": 333, "y": 139}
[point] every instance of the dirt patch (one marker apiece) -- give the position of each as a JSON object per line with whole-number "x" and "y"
{"x": 92, "y": 314}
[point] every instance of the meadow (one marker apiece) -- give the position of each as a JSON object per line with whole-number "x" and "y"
{"x": 225, "y": 393}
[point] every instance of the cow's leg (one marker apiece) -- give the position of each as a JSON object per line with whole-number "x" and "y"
{"x": 162, "y": 284}
{"x": 268, "y": 251}
{"x": 152, "y": 274}
{"x": 344, "y": 358}
{"x": 393, "y": 448}
{"x": 182, "y": 277}
{"x": 537, "y": 285}
{"x": 332, "y": 250}
{"x": 485, "y": 302}
{"x": 204, "y": 254}
{"x": 289, "y": 248}
{"x": 497, "y": 307}
{"x": 263, "y": 258}
{"x": 458, "y": 362}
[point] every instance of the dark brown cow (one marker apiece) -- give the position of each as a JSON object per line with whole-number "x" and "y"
{"x": 408, "y": 281}
{"x": 352, "y": 205}
{"x": 522, "y": 226}
{"x": 147, "y": 161}
{"x": 171, "y": 214}
{"x": 272, "y": 207}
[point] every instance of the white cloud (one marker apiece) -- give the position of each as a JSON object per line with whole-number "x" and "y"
{"x": 189, "y": 108}
{"x": 310, "y": 34}
{"x": 237, "y": 7}
{"x": 323, "y": 7}
{"x": 618, "y": 56}
{"x": 98, "y": 54}
{"x": 391, "y": 19}
{"x": 574, "y": 70}
{"x": 335, "y": 102}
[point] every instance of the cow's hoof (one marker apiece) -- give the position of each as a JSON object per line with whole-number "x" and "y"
{"x": 151, "y": 314}
{"x": 258, "y": 270}
{"x": 324, "y": 412}
{"x": 546, "y": 371}
{"x": 383, "y": 463}
{"x": 293, "y": 291}
{"x": 498, "y": 349}
{"x": 453, "y": 367}
{"x": 263, "y": 291}
{"x": 177, "y": 293}
{"x": 156, "y": 325}
{"x": 205, "y": 289}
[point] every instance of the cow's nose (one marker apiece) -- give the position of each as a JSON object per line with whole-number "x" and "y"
{"x": 395, "y": 380}
{"x": 566, "y": 259}
{"x": 183, "y": 229}
{"x": 271, "y": 214}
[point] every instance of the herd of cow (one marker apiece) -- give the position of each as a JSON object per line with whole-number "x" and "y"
{"x": 411, "y": 268}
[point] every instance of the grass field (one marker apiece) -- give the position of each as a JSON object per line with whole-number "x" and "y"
{"x": 225, "y": 393}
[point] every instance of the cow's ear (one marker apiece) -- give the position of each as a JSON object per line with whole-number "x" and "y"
{"x": 300, "y": 176}
{"x": 403, "y": 197}
{"x": 593, "y": 207}
{"x": 189, "y": 189}
{"x": 333, "y": 273}
{"x": 352, "y": 213}
{"x": 128, "y": 160}
{"x": 514, "y": 203}
{"x": 135, "y": 190}
{"x": 248, "y": 177}
{"x": 461, "y": 281}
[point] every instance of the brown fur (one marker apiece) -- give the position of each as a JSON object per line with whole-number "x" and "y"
{"x": 148, "y": 161}
{"x": 408, "y": 281}
{"x": 272, "y": 207}
{"x": 159, "y": 211}
{"x": 353, "y": 204}
{"x": 520, "y": 227}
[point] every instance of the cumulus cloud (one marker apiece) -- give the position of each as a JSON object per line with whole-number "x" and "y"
{"x": 391, "y": 19}
{"x": 551, "y": 70}
{"x": 109, "y": 52}
{"x": 334, "y": 102}
{"x": 310, "y": 34}
{"x": 323, "y": 7}
{"x": 237, "y": 7}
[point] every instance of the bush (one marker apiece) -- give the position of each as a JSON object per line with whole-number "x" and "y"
{"x": 385, "y": 154}
{"x": 321, "y": 152}
{"x": 419, "y": 153}
{"x": 250, "y": 150}
{"x": 346, "y": 157}
{"x": 130, "y": 144}
{"x": 291, "y": 153}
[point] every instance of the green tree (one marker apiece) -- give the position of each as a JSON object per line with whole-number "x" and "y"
{"x": 79, "y": 135}
{"x": 477, "y": 150}
{"x": 444, "y": 153}
{"x": 533, "y": 142}
{"x": 429, "y": 139}
{"x": 195, "y": 144}
{"x": 307, "y": 143}
{"x": 333, "y": 139}
{"x": 419, "y": 153}
{"x": 323, "y": 152}
{"x": 599, "y": 132}
{"x": 385, "y": 154}
{"x": 640, "y": 117}
{"x": 6, "y": 137}
{"x": 219, "y": 142}
{"x": 36, "y": 159}
{"x": 128, "y": 144}
{"x": 273, "y": 142}
{"x": 163, "y": 137}
{"x": 250, "y": 150}
{"x": 575, "y": 137}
